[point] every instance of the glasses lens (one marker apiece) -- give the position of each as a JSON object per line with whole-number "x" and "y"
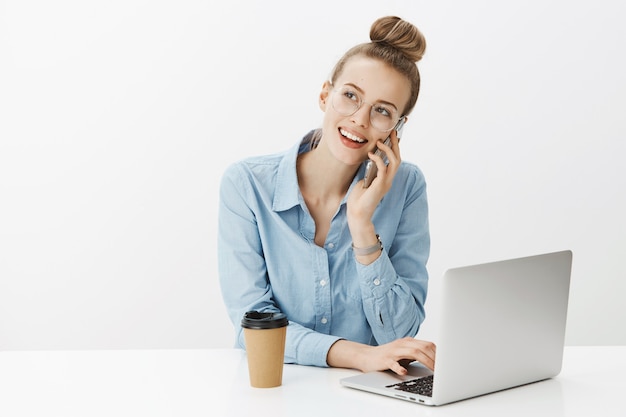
{"x": 383, "y": 117}
{"x": 346, "y": 101}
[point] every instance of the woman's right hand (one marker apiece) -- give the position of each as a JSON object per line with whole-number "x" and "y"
{"x": 393, "y": 355}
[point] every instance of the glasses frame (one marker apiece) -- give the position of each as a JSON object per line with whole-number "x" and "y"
{"x": 361, "y": 102}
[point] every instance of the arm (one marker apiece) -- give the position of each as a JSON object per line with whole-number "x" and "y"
{"x": 393, "y": 288}
{"x": 393, "y": 281}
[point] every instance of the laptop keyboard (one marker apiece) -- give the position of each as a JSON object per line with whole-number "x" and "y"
{"x": 421, "y": 386}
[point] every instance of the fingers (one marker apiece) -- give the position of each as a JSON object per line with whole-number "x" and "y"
{"x": 398, "y": 369}
{"x": 409, "y": 350}
{"x": 426, "y": 355}
{"x": 392, "y": 152}
{"x": 397, "y": 355}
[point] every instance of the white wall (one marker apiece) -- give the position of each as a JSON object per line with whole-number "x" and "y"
{"x": 117, "y": 119}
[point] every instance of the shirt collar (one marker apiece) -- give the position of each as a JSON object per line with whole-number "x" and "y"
{"x": 287, "y": 191}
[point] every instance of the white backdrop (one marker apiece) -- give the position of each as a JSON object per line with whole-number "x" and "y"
{"x": 117, "y": 119}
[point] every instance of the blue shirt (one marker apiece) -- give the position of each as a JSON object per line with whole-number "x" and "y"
{"x": 268, "y": 260}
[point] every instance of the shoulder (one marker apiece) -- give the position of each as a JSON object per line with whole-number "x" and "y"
{"x": 255, "y": 167}
{"x": 260, "y": 175}
{"x": 269, "y": 168}
{"x": 410, "y": 177}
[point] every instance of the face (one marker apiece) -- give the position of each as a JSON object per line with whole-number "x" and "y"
{"x": 350, "y": 138}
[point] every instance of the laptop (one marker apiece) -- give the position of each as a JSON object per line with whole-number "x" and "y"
{"x": 502, "y": 325}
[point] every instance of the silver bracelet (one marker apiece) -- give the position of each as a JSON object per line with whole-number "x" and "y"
{"x": 368, "y": 250}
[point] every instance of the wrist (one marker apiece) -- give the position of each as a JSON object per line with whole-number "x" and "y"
{"x": 363, "y": 234}
{"x": 368, "y": 250}
{"x": 346, "y": 354}
{"x": 367, "y": 243}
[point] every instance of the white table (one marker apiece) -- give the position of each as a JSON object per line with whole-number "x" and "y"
{"x": 214, "y": 383}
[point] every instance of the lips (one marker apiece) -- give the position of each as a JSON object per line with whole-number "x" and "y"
{"x": 352, "y": 137}
{"x": 351, "y": 140}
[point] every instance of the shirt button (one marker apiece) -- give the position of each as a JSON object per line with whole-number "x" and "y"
{"x": 376, "y": 281}
{"x": 323, "y": 282}
{"x": 331, "y": 245}
{"x": 324, "y": 320}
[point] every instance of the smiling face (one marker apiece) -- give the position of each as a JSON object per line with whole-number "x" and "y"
{"x": 350, "y": 138}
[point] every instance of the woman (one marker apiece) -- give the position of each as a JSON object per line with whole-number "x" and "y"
{"x": 300, "y": 234}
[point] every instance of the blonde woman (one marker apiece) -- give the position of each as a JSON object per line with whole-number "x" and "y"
{"x": 300, "y": 234}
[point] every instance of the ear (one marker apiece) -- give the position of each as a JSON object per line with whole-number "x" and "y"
{"x": 325, "y": 95}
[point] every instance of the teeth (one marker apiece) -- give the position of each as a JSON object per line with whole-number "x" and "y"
{"x": 352, "y": 137}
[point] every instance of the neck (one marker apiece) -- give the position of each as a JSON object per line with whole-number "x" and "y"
{"x": 323, "y": 177}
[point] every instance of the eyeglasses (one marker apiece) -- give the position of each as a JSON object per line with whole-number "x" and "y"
{"x": 346, "y": 101}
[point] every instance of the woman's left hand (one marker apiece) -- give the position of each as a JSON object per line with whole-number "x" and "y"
{"x": 363, "y": 201}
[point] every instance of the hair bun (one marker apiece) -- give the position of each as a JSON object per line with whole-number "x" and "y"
{"x": 399, "y": 34}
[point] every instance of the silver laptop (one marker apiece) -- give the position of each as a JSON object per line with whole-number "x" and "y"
{"x": 502, "y": 325}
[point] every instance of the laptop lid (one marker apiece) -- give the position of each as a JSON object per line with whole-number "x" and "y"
{"x": 502, "y": 325}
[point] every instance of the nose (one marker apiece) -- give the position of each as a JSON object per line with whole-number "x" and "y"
{"x": 362, "y": 116}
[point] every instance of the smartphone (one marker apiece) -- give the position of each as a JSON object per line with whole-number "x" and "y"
{"x": 371, "y": 170}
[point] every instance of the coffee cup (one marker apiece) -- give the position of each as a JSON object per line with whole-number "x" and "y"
{"x": 265, "y": 334}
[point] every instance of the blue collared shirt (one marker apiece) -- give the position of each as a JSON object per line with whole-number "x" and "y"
{"x": 268, "y": 260}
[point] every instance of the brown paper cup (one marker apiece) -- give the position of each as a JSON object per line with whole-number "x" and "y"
{"x": 265, "y": 335}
